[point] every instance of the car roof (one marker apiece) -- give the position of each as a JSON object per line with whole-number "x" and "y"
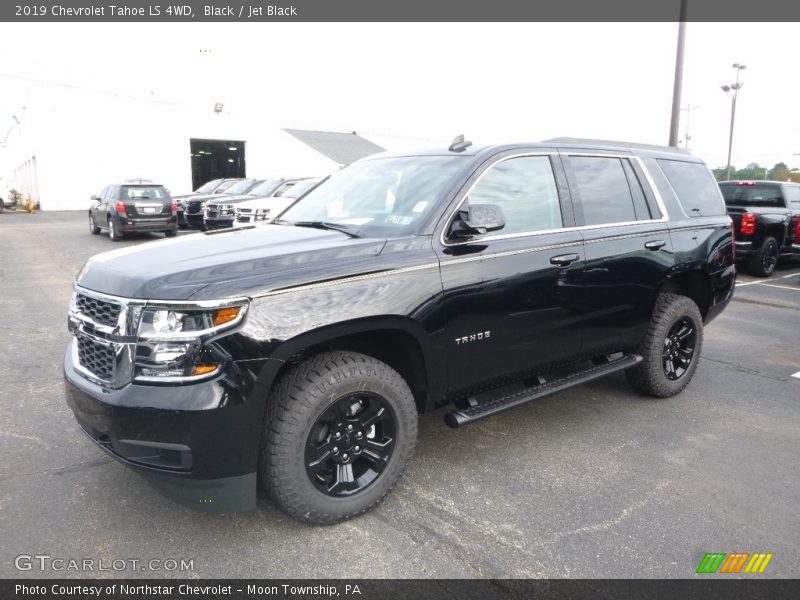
{"x": 561, "y": 143}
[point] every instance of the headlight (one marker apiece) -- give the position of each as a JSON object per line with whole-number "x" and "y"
{"x": 170, "y": 345}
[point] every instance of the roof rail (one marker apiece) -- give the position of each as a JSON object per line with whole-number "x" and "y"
{"x": 591, "y": 142}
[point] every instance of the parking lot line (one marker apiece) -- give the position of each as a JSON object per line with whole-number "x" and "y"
{"x": 796, "y": 375}
{"x": 783, "y": 287}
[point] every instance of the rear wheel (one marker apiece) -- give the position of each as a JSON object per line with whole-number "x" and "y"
{"x": 671, "y": 348}
{"x": 113, "y": 230}
{"x": 763, "y": 262}
{"x": 339, "y": 430}
{"x": 171, "y": 232}
{"x": 93, "y": 228}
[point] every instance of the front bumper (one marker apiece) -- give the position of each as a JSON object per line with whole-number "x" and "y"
{"x": 218, "y": 222}
{"x": 196, "y": 444}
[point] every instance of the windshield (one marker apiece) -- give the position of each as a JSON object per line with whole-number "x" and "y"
{"x": 297, "y": 188}
{"x": 379, "y": 197}
{"x": 242, "y": 187}
{"x": 752, "y": 194}
{"x": 265, "y": 188}
{"x": 208, "y": 187}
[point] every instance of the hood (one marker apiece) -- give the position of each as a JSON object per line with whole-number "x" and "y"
{"x": 225, "y": 199}
{"x": 266, "y": 202}
{"x": 233, "y": 262}
{"x": 196, "y": 197}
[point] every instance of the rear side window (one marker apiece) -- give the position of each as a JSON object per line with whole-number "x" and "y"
{"x": 604, "y": 192}
{"x": 747, "y": 193}
{"x": 695, "y": 186}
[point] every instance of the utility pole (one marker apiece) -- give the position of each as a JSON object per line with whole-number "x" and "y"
{"x": 676, "y": 86}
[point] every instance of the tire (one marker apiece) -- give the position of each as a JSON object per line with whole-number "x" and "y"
{"x": 763, "y": 262}
{"x": 298, "y": 468}
{"x": 113, "y": 233}
{"x": 171, "y": 232}
{"x": 93, "y": 228}
{"x": 667, "y": 344}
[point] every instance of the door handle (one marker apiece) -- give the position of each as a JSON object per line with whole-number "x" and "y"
{"x": 655, "y": 244}
{"x": 563, "y": 260}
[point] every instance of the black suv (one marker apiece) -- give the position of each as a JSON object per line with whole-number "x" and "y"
{"x": 766, "y": 220}
{"x": 297, "y": 355}
{"x": 133, "y": 207}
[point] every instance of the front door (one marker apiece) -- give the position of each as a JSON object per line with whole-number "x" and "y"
{"x": 508, "y": 295}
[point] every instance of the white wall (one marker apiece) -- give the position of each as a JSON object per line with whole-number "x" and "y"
{"x": 103, "y": 138}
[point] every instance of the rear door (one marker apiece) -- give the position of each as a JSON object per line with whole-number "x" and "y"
{"x": 509, "y": 294}
{"x": 627, "y": 244}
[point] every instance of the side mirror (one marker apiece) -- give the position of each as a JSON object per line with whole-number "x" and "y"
{"x": 478, "y": 219}
{"x": 96, "y": 198}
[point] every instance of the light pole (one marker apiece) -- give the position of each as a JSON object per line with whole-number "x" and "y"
{"x": 732, "y": 90}
{"x": 688, "y": 108}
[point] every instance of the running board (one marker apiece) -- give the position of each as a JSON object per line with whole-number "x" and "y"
{"x": 477, "y": 410}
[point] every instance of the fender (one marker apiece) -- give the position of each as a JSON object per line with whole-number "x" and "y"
{"x": 431, "y": 357}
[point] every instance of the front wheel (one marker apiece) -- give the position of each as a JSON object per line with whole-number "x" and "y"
{"x": 670, "y": 349}
{"x": 93, "y": 228}
{"x": 339, "y": 431}
{"x": 171, "y": 232}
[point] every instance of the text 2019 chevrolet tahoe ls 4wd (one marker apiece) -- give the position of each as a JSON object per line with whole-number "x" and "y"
{"x": 296, "y": 355}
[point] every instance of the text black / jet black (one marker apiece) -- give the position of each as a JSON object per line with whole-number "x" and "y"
{"x": 297, "y": 357}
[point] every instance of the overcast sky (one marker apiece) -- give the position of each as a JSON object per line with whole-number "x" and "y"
{"x": 428, "y": 82}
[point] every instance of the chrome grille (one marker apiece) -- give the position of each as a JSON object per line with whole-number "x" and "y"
{"x": 96, "y": 357}
{"x": 99, "y": 311}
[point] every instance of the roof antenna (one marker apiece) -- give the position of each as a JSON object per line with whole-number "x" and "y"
{"x": 459, "y": 145}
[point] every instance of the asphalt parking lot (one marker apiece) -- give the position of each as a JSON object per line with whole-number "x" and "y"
{"x": 592, "y": 482}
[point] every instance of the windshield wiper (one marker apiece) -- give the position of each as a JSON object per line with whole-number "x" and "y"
{"x": 325, "y": 225}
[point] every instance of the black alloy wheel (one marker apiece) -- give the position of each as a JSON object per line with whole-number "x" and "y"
{"x": 679, "y": 346}
{"x": 769, "y": 259}
{"x": 338, "y": 431}
{"x": 350, "y": 444}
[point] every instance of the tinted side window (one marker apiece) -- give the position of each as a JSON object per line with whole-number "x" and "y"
{"x": 695, "y": 187}
{"x": 525, "y": 189}
{"x": 603, "y": 189}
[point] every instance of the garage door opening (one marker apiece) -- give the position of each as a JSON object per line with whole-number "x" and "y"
{"x": 212, "y": 159}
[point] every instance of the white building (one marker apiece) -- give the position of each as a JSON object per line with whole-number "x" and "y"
{"x": 67, "y": 143}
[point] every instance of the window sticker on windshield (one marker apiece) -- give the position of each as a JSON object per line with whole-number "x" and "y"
{"x": 399, "y": 220}
{"x": 335, "y": 208}
{"x": 420, "y": 206}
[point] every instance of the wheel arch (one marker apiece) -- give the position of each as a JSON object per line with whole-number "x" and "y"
{"x": 694, "y": 284}
{"x": 400, "y": 342}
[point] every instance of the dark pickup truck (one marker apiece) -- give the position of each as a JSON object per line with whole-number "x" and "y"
{"x": 766, "y": 221}
{"x": 296, "y": 356}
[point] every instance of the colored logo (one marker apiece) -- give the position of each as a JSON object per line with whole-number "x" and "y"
{"x": 735, "y": 562}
